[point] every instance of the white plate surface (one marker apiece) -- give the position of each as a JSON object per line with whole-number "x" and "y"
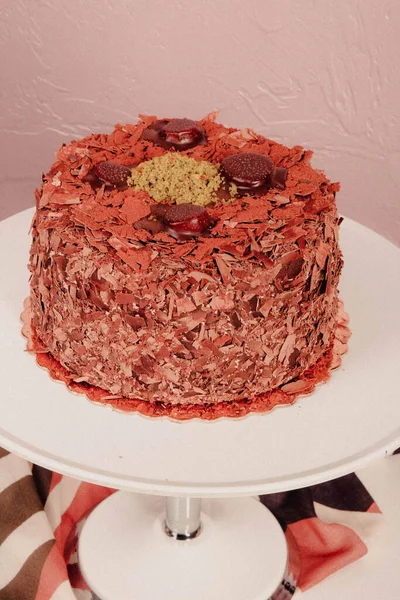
{"x": 342, "y": 426}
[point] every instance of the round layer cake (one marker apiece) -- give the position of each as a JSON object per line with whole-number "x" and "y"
{"x": 184, "y": 262}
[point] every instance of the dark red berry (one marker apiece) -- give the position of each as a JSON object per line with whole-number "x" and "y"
{"x": 247, "y": 169}
{"x": 150, "y": 225}
{"x": 152, "y": 133}
{"x": 92, "y": 179}
{"x": 187, "y": 219}
{"x": 112, "y": 173}
{"x": 181, "y": 134}
{"x": 159, "y": 210}
{"x": 158, "y": 125}
{"x": 182, "y": 131}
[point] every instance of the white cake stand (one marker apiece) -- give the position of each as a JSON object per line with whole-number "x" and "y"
{"x": 240, "y": 552}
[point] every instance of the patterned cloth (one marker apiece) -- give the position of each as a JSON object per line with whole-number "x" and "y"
{"x": 42, "y": 512}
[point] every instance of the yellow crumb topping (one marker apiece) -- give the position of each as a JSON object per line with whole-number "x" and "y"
{"x": 233, "y": 190}
{"x": 178, "y": 178}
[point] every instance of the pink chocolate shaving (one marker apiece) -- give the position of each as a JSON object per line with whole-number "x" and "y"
{"x": 262, "y": 403}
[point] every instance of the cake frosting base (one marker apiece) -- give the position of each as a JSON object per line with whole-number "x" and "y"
{"x": 262, "y": 403}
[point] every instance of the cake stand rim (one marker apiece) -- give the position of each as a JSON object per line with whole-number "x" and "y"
{"x": 200, "y": 488}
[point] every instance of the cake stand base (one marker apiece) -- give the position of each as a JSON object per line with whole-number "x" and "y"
{"x": 124, "y": 552}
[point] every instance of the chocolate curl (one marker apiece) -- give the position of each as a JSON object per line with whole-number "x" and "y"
{"x": 278, "y": 178}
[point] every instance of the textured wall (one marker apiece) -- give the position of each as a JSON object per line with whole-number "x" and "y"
{"x": 319, "y": 73}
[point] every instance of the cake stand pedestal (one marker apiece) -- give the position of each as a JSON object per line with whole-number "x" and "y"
{"x": 343, "y": 425}
{"x": 238, "y": 554}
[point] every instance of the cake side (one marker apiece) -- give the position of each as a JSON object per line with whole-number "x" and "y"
{"x": 228, "y": 315}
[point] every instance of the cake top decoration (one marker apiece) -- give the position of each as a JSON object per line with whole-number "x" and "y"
{"x": 113, "y": 174}
{"x": 249, "y": 171}
{"x": 186, "y": 220}
{"x": 181, "y": 134}
{"x": 248, "y": 168}
{"x": 182, "y": 131}
{"x": 181, "y": 221}
{"x": 178, "y": 178}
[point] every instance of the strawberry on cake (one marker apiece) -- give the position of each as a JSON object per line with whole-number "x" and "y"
{"x": 180, "y": 263}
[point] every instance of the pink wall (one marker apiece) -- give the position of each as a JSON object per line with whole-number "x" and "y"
{"x": 320, "y": 73}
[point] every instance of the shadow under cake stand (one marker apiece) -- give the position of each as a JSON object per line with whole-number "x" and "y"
{"x": 131, "y": 546}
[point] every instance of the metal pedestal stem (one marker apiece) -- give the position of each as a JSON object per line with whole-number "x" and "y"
{"x": 182, "y": 520}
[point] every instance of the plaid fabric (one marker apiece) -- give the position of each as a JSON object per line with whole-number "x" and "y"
{"x": 42, "y": 512}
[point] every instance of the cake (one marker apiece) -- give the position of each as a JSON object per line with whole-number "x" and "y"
{"x": 181, "y": 262}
